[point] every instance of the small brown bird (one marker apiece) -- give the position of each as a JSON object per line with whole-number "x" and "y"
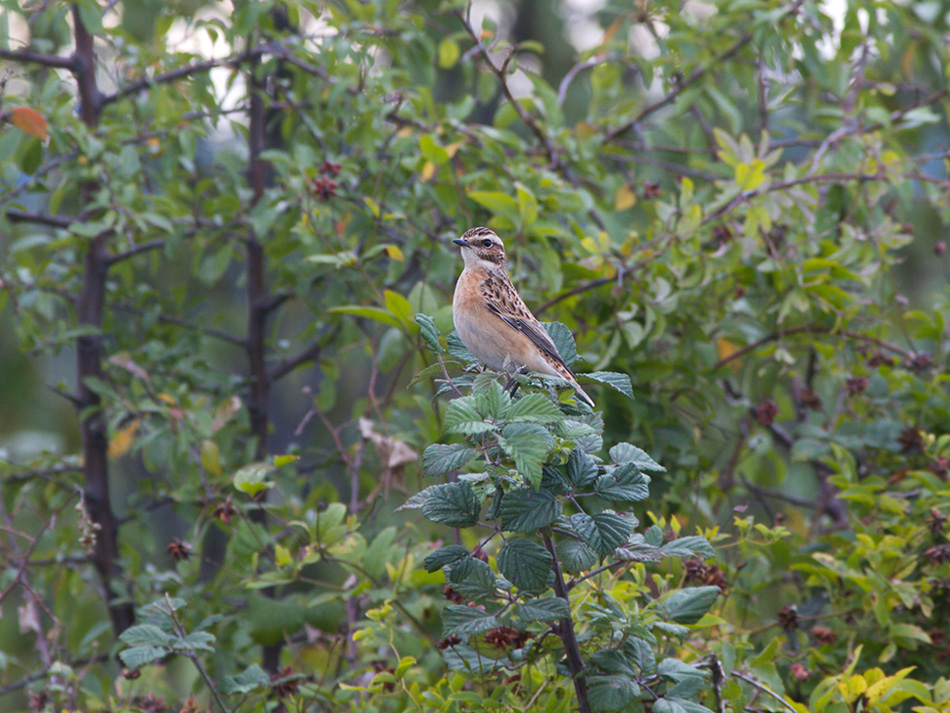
{"x": 491, "y": 318}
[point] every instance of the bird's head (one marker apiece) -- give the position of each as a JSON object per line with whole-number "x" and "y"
{"x": 480, "y": 247}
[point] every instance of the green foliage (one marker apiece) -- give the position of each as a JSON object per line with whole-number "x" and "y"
{"x": 239, "y": 274}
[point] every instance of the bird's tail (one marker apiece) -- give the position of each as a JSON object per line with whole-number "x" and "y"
{"x": 580, "y": 392}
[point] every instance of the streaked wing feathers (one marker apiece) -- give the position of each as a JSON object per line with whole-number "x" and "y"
{"x": 513, "y": 311}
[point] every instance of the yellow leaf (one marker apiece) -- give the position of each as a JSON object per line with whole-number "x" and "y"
{"x": 29, "y": 121}
{"x": 428, "y": 171}
{"x": 395, "y": 253}
{"x": 452, "y": 149}
{"x": 404, "y": 132}
{"x": 725, "y": 349}
{"x": 210, "y": 457}
{"x": 624, "y": 198}
{"x": 750, "y": 176}
{"x": 448, "y": 53}
{"x": 585, "y": 130}
{"x": 282, "y": 556}
{"x": 167, "y": 399}
{"x": 122, "y": 441}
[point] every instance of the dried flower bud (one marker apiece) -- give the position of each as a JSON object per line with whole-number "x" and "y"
{"x": 766, "y": 411}
{"x": 788, "y": 617}
{"x": 179, "y": 550}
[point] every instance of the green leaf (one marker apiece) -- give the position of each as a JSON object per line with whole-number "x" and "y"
{"x": 575, "y": 555}
{"x": 620, "y": 382}
{"x": 638, "y": 550}
{"x": 627, "y": 453}
{"x": 374, "y": 313}
{"x": 440, "y": 458}
{"x": 496, "y": 202}
{"x": 603, "y": 532}
{"x": 693, "y": 546}
{"x": 463, "y": 657}
{"x": 626, "y": 484}
{"x": 452, "y": 504}
{"x": 492, "y": 401}
{"x": 253, "y": 478}
{"x": 195, "y": 641}
{"x": 145, "y": 634}
{"x": 430, "y": 149}
{"x": 687, "y": 606}
{"x": 612, "y": 693}
{"x": 138, "y": 656}
{"x": 443, "y": 556}
{"x": 674, "y": 704}
{"x": 429, "y": 332}
{"x": 524, "y": 563}
{"x": 454, "y": 344}
{"x": 472, "y": 578}
{"x": 252, "y": 678}
{"x": 612, "y": 661}
{"x": 677, "y": 671}
{"x": 397, "y": 305}
{"x": 464, "y": 621}
{"x": 563, "y": 340}
{"x": 543, "y": 610}
{"x": 462, "y": 416}
{"x": 528, "y": 444}
{"x": 641, "y": 654}
{"x": 535, "y": 407}
{"x": 581, "y": 468}
{"x": 527, "y": 510}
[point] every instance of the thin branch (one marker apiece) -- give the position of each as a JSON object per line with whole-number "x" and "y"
{"x": 182, "y": 73}
{"x": 739, "y": 353}
{"x": 580, "y": 67}
{"x": 30, "y": 57}
{"x": 593, "y": 573}
{"x": 765, "y": 689}
{"x": 694, "y": 77}
{"x": 500, "y": 72}
{"x": 671, "y": 96}
{"x": 135, "y": 250}
{"x": 179, "y": 322}
{"x": 54, "y": 221}
{"x": 587, "y": 286}
{"x": 285, "y": 366}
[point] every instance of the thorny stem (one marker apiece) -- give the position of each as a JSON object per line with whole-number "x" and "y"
{"x": 565, "y": 630}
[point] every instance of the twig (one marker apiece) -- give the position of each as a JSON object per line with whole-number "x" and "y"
{"x": 54, "y": 221}
{"x": 135, "y": 250}
{"x": 565, "y": 630}
{"x": 694, "y": 76}
{"x": 765, "y": 689}
{"x": 578, "y": 68}
{"x": 500, "y": 72}
{"x": 46, "y": 60}
{"x": 739, "y": 353}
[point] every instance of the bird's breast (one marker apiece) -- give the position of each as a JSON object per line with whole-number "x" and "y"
{"x": 488, "y": 337}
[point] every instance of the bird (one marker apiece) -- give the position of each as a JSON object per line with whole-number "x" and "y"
{"x": 492, "y": 320}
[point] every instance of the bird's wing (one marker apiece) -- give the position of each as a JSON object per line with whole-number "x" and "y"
{"x": 508, "y": 305}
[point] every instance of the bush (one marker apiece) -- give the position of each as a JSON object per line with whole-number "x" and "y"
{"x": 218, "y": 268}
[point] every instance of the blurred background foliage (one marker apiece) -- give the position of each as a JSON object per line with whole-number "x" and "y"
{"x": 218, "y": 221}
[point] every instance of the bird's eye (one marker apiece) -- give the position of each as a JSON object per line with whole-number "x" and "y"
{"x": 487, "y": 243}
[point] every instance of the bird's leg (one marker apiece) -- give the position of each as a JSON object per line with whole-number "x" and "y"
{"x": 512, "y": 382}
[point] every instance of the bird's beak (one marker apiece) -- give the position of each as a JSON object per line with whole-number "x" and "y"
{"x": 460, "y": 242}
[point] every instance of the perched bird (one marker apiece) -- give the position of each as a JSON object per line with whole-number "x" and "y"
{"x": 491, "y": 318}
